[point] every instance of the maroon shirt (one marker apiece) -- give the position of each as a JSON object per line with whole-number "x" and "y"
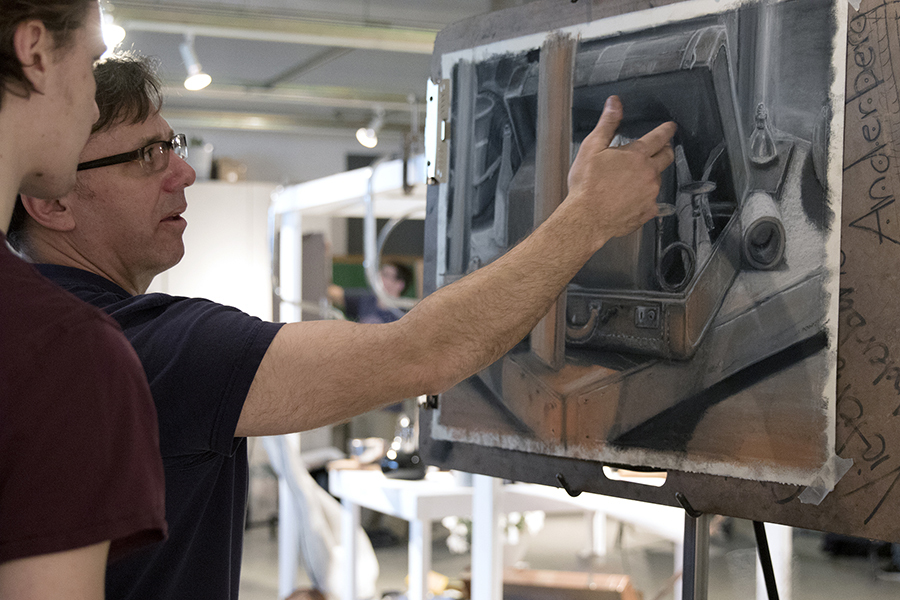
{"x": 79, "y": 444}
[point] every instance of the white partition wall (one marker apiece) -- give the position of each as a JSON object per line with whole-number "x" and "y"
{"x": 226, "y": 252}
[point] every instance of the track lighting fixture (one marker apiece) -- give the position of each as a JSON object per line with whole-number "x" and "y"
{"x": 196, "y": 79}
{"x": 368, "y": 136}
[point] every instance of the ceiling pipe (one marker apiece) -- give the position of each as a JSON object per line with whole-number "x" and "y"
{"x": 288, "y": 28}
{"x": 211, "y": 119}
{"x": 308, "y": 66}
{"x": 343, "y": 98}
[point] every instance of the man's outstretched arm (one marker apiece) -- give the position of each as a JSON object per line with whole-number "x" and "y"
{"x": 321, "y": 372}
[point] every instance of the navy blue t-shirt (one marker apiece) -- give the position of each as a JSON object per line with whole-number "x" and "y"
{"x": 200, "y": 358}
{"x": 363, "y": 307}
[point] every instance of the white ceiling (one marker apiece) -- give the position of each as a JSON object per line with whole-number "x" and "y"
{"x": 295, "y": 65}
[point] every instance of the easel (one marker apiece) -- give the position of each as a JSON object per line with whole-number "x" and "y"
{"x": 695, "y": 574}
{"x": 863, "y": 502}
{"x": 695, "y": 578}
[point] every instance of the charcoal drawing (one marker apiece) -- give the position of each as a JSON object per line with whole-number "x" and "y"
{"x": 706, "y": 341}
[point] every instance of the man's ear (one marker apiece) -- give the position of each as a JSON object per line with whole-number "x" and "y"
{"x": 55, "y": 215}
{"x": 33, "y": 46}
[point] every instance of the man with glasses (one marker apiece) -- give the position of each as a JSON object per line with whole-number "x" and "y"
{"x": 218, "y": 375}
{"x": 80, "y": 473}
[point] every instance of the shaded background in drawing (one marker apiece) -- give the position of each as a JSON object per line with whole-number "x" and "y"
{"x": 713, "y": 360}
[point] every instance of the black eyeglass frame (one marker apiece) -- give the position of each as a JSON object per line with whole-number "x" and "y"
{"x": 176, "y": 144}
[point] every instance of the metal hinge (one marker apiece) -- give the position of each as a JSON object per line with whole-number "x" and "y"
{"x": 437, "y": 131}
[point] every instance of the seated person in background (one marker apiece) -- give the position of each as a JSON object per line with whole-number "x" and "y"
{"x": 81, "y": 479}
{"x": 364, "y": 306}
{"x": 219, "y": 375}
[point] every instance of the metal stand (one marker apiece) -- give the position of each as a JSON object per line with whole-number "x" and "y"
{"x": 765, "y": 560}
{"x": 695, "y": 577}
{"x": 695, "y": 574}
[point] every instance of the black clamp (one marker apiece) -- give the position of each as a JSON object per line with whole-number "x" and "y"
{"x": 431, "y": 401}
{"x": 690, "y": 510}
{"x": 565, "y": 485}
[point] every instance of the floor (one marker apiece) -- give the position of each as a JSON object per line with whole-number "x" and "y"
{"x": 646, "y": 559}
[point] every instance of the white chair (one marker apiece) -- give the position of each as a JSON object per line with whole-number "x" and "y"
{"x": 309, "y": 523}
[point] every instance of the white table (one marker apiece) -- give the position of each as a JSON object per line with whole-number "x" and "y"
{"x": 437, "y": 496}
{"x": 420, "y": 502}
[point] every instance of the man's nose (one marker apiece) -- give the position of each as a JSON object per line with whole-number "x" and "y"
{"x": 181, "y": 174}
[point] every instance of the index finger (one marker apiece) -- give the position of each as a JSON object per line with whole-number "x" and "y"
{"x": 610, "y": 118}
{"x": 656, "y": 140}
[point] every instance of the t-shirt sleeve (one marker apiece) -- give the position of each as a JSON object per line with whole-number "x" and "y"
{"x": 80, "y": 448}
{"x": 352, "y": 299}
{"x": 201, "y": 357}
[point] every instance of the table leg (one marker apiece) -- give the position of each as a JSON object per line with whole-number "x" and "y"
{"x": 350, "y": 516}
{"x": 419, "y": 558}
{"x": 679, "y": 567}
{"x": 596, "y": 526}
{"x": 487, "y": 541}
{"x": 288, "y": 540}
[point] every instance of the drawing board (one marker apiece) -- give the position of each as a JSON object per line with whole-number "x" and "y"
{"x": 704, "y": 346}
{"x": 705, "y": 341}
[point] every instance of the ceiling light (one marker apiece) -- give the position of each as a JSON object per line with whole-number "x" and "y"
{"x": 196, "y": 79}
{"x": 368, "y": 136}
{"x": 112, "y": 34}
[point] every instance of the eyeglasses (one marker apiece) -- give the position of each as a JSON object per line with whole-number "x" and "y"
{"x": 152, "y": 157}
